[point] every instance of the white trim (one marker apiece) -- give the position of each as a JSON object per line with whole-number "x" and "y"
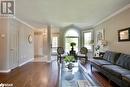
{"x": 115, "y": 13}
{"x": 26, "y": 62}
{"x": 48, "y": 61}
{"x": 21, "y": 21}
{"x": 7, "y": 17}
{"x": 92, "y": 38}
{"x": 5, "y": 71}
{"x": 24, "y": 22}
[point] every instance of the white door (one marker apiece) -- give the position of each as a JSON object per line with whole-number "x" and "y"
{"x": 13, "y": 46}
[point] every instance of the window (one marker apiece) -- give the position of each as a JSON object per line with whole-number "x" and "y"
{"x": 72, "y": 33}
{"x": 71, "y": 36}
{"x": 54, "y": 44}
{"x": 87, "y": 40}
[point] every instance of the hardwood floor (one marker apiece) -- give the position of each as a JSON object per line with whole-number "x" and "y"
{"x": 33, "y": 74}
{"x": 39, "y": 74}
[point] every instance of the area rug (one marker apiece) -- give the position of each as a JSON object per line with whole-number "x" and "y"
{"x": 86, "y": 83}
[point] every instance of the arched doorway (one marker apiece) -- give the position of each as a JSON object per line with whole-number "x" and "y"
{"x": 71, "y": 35}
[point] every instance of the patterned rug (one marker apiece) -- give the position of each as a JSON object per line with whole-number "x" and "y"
{"x": 86, "y": 83}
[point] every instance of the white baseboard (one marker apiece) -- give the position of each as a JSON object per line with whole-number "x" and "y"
{"x": 26, "y": 62}
{"x": 48, "y": 61}
{"x": 5, "y": 71}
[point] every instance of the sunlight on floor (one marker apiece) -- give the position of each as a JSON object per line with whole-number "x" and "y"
{"x": 44, "y": 59}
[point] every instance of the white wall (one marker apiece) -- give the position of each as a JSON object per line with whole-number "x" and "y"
{"x": 26, "y": 49}
{"x": 3, "y": 44}
{"x": 47, "y": 44}
{"x": 111, "y": 27}
{"x": 14, "y": 46}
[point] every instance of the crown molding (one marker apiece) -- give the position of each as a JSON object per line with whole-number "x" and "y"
{"x": 7, "y": 17}
{"x": 24, "y": 22}
{"x": 115, "y": 13}
{"x": 21, "y": 21}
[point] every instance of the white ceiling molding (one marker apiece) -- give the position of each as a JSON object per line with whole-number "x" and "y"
{"x": 114, "y": 14}
{"x": 7, "y": 17}
{"x": 23, "y": 22}
{"x": 62, "y": 13}
{"x": 14, "y": 17}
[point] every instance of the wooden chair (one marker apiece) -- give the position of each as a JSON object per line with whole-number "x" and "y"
{"x": 60, "y": 54}
{"x": 82, "y": 55}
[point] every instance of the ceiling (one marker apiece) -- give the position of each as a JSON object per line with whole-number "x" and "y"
{"x": 82, "y": 13}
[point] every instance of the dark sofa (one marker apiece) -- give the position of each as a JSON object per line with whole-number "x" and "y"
{"x": 115, "y": 66}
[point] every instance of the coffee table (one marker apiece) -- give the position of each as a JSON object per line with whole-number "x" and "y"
{"x": 75, "y": 77}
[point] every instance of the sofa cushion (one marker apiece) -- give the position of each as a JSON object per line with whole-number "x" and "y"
{"x": 111, "y": 56}
{"x": 126, "y": 78}
{"x": 124, "y": 61}
{"x": 100, "y": 62}
{"x": 116, "y": 70}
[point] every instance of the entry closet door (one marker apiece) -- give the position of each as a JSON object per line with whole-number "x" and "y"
{"x": 13, "y": 45}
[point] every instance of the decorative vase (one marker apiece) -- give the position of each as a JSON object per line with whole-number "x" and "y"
{"x": 70, "y": 66}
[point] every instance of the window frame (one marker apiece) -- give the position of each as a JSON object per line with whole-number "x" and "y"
{"x": 72, "y": 37}
{"x": 92, "y": 38}
{"x": 52, "y": 47}
{"x": 78, "y": 37}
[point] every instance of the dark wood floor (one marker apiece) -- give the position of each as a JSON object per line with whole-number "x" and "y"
{"x": 39, "y": 74}
{"x": 33, "y": 74}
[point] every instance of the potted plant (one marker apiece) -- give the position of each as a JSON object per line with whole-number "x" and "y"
{"x": 69, "y": 60}
{"x": 72, "y": 45}
{"x": 97, "y": 49}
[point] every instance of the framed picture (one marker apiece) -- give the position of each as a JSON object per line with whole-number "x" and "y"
{"x": 124, "y": 34}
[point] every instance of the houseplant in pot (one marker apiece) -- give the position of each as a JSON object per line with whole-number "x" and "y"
{"x": 97, "y": 50}
{"x": 69, "y": 60}
{"x": 72, "y": 51}
{"x": 72, "y": 45}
